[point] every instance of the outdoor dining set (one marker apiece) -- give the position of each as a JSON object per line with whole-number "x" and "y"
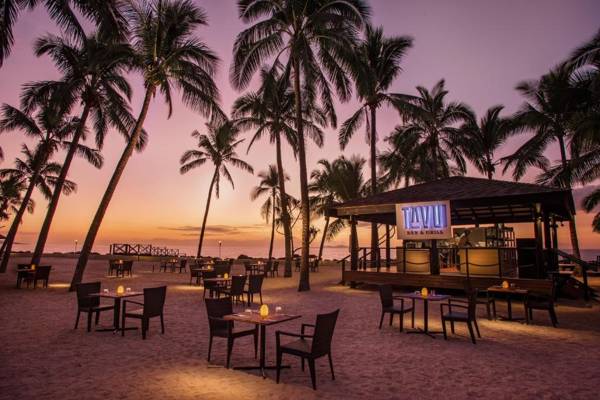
{"x": 463, "y": 310}
{"x": 32, "y": 274}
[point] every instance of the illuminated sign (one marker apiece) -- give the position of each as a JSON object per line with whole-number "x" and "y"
{"x": 424, "y": 220}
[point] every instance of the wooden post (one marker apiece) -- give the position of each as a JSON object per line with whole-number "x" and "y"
{"x": 549, "y": 255}
{"x": 387, "y": 247}
{"x": 539, "y": 247}
{"x": 353, "y": 246}
{"x": 434, "y": 258}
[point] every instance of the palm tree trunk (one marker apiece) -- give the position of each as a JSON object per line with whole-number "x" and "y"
{"x": 285, "y": 214}
{"x": 374, "y": 230}
{"x": 435, "y": 158}
{"x": 323, "y": 238}
{"x": 86, "y": 249}
{"x": 572, "y": 223}
{"x": 58, "y": 188}
{"x": 205, "y": 218}
{"x": 304, "y": 282}
{"x": 490, "y": 172}
{"x": 12, "y": 233}
{"x": 272, "y": 225}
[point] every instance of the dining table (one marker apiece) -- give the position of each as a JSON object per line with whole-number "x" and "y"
{"x": 254, "y": 317}
{"x": 118, "y": 299}
{"x": 425, "y": 299}
{"x": 23, "y": 273}
{"x": 509, "y": 293}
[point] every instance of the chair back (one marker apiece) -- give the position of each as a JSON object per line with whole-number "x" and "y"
{"x": 222, "y": 267}
{"x": 268, "y": 266}
{"x": 255, "y": 283}
{"x": 42, "y": 272}
{"x": 386, "y": 295}
{"x": 84, "y": 290}
{"x": 127, "y": 265}
{"x": 183, "y": 263}
{"x": 247, "y": 267}
{"x": 209, "y": 274}
{"x": 323, "y": 333}
{"x": 154, "y": 301}
{"x": 218, "y": 308}
{"x": 472, "y": 307}
{"x": 237, "y": 285}
{"x": 23, "y": 266}
{"x": 275, "y": 266}
{"x": 297, "y": 263}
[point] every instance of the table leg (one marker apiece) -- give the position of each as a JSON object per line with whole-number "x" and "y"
{"x": 426, "y": 315}
{"x": 117, "y": 313}
{"x": 263, "y": 331}
{"x": 509, "y": 305}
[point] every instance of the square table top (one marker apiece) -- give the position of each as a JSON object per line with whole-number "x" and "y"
{"x": 221, "y": 279}
{"x": 500, "y": 289}
{"x": 429, "y": 297}
{"x": 25, "y": 270}
{"x": 255, "y": 318}
{"x": 114, "y": 295}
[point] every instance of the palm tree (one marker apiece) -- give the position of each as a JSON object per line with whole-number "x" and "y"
{"x": 52, "y": 128}
{"x": 269, "y": 185}
{"x": 405, "y": 160}
{"x": 551, "y": 103}
{"x": 218, "y": 147}
{"x": 271, "y": 110}
{"x": 482, "y": 139}
{"x": 106, "y": 15}
{"x": 168, "y": 56}
{"x": 10, "y": 198}
{"x": 323, "y": 195}
{"x": 317, "y": 37}
{"x": 432, "y": 120}
{"x": 39, "y": 173}
{"x": 376, "y": 66}
{"x": 92, "y": 78}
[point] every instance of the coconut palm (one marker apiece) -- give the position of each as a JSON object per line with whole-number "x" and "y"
{"x": 376, "y": 66}
{"x": 51, "y": 127}
{"x": 218, "y": 147}
{"x": 105, "y": 14}
{"x": 270, "y": 110}
{"x": 315, "y": 38}
{"x": 551, "y": 103}
{"x": 168, "y": 55}
{"x": 482, "y": 139}
{"x": 11, "y": 189}
{"x": 269, "y": 185}
{"x": 433, "y": 120}
{"x": 404, "y": 160}
{"x": 38, "y": 172}
{"x": 92, "y": 79}
{"x": 323, "y": 196}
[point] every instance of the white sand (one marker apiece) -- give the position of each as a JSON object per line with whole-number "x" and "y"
{"x": 42, "y": 357}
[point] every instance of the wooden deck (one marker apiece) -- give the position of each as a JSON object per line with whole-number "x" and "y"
{"x": 442, "y": 281}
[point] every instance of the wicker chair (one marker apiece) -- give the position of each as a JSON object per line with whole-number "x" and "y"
{"x": 467, "y": 315}
{"x": 41, "y": 273}
{"x": 309, "y": 347}
{"x": 488, "y": 301}
{"x": 216, "y": 309}
{"x": 182, "y": 265}
{"x": 236, "y": 290}
{"x": 539, "y": 301}
{"x": 254, "y": 287}
{"x": 275, "y": 269}
{"x": 127, "y": 267}
{"x": 386, "y": 295}
{"x": 89, "y": 304}
{"x": 153, "y": 305}
{"x": 210, "y": 286}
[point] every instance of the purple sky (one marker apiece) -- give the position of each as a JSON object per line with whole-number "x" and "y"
{"x": 481, "y": 48}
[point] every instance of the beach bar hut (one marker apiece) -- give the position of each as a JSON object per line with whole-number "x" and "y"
{"x": 456, "y": 228}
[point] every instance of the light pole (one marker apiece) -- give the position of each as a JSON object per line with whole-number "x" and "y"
{"x": 75, "y": 247}
{"x": 220, "y": 243}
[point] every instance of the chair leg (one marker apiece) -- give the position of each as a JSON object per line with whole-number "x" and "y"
{"x": 553, "y": 316}
{"x": 256, "y": 344}
{"x": 162, "y": 324}
{"x": 97, "y": 317}
{"x": 144, "y": 328}
{"x": 210, "y": 340}
{"x": 381, "y": 319}
{"x": 331, "y": 367}
{"x": 528, "y": 316}
{"x": 123, "y": 325}
{"x": 471, "y": 332}
{"x": 313, "y": 376}
{"x": 77, "y": 320}
{"x": 412, "y": 318}
{"x": 494, "y": 308}
{"x": 89, "y": 321}
{"x": 401, "y": 321}
{"x": 302, "y": 363}
{"x": 391, "y": 318}
{"x": 477, "y": 328}
{"x": 260, "y": 295}
{"x": 279, "y": 356}
{"x": 452, "y": 326}
{"x": 444, "y": 329}
{"x": 489, "y": 311}
{"x": 229, "y": 350}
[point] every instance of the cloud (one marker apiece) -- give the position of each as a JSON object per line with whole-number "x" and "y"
{"x": 188, "y": 230}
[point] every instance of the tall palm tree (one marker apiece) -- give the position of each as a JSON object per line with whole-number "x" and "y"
{"x": 269, "y": 185}
{"x": 323, "y": 196}
{"x": 405, "y": 160}
{"x": 39, "y": 173}
{"x": 168, "y": 55}
{"x": 482, "y": 139}
{"x": 105, "y": 14}
{"x": 432, "y": 119}
{"x": 376, "y": 66}
{"x": 218, "y": 147}
{"x": 316, "y": 38}
{"x": 11, "y": 189}
{"x": 551, "y": 103}
{"x": 271, "y": 110}
{"x": 92, "y": 78}
{"x": 51, "y": 127}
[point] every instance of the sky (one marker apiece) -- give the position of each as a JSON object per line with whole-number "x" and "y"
{"x": 481, "y": 48}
